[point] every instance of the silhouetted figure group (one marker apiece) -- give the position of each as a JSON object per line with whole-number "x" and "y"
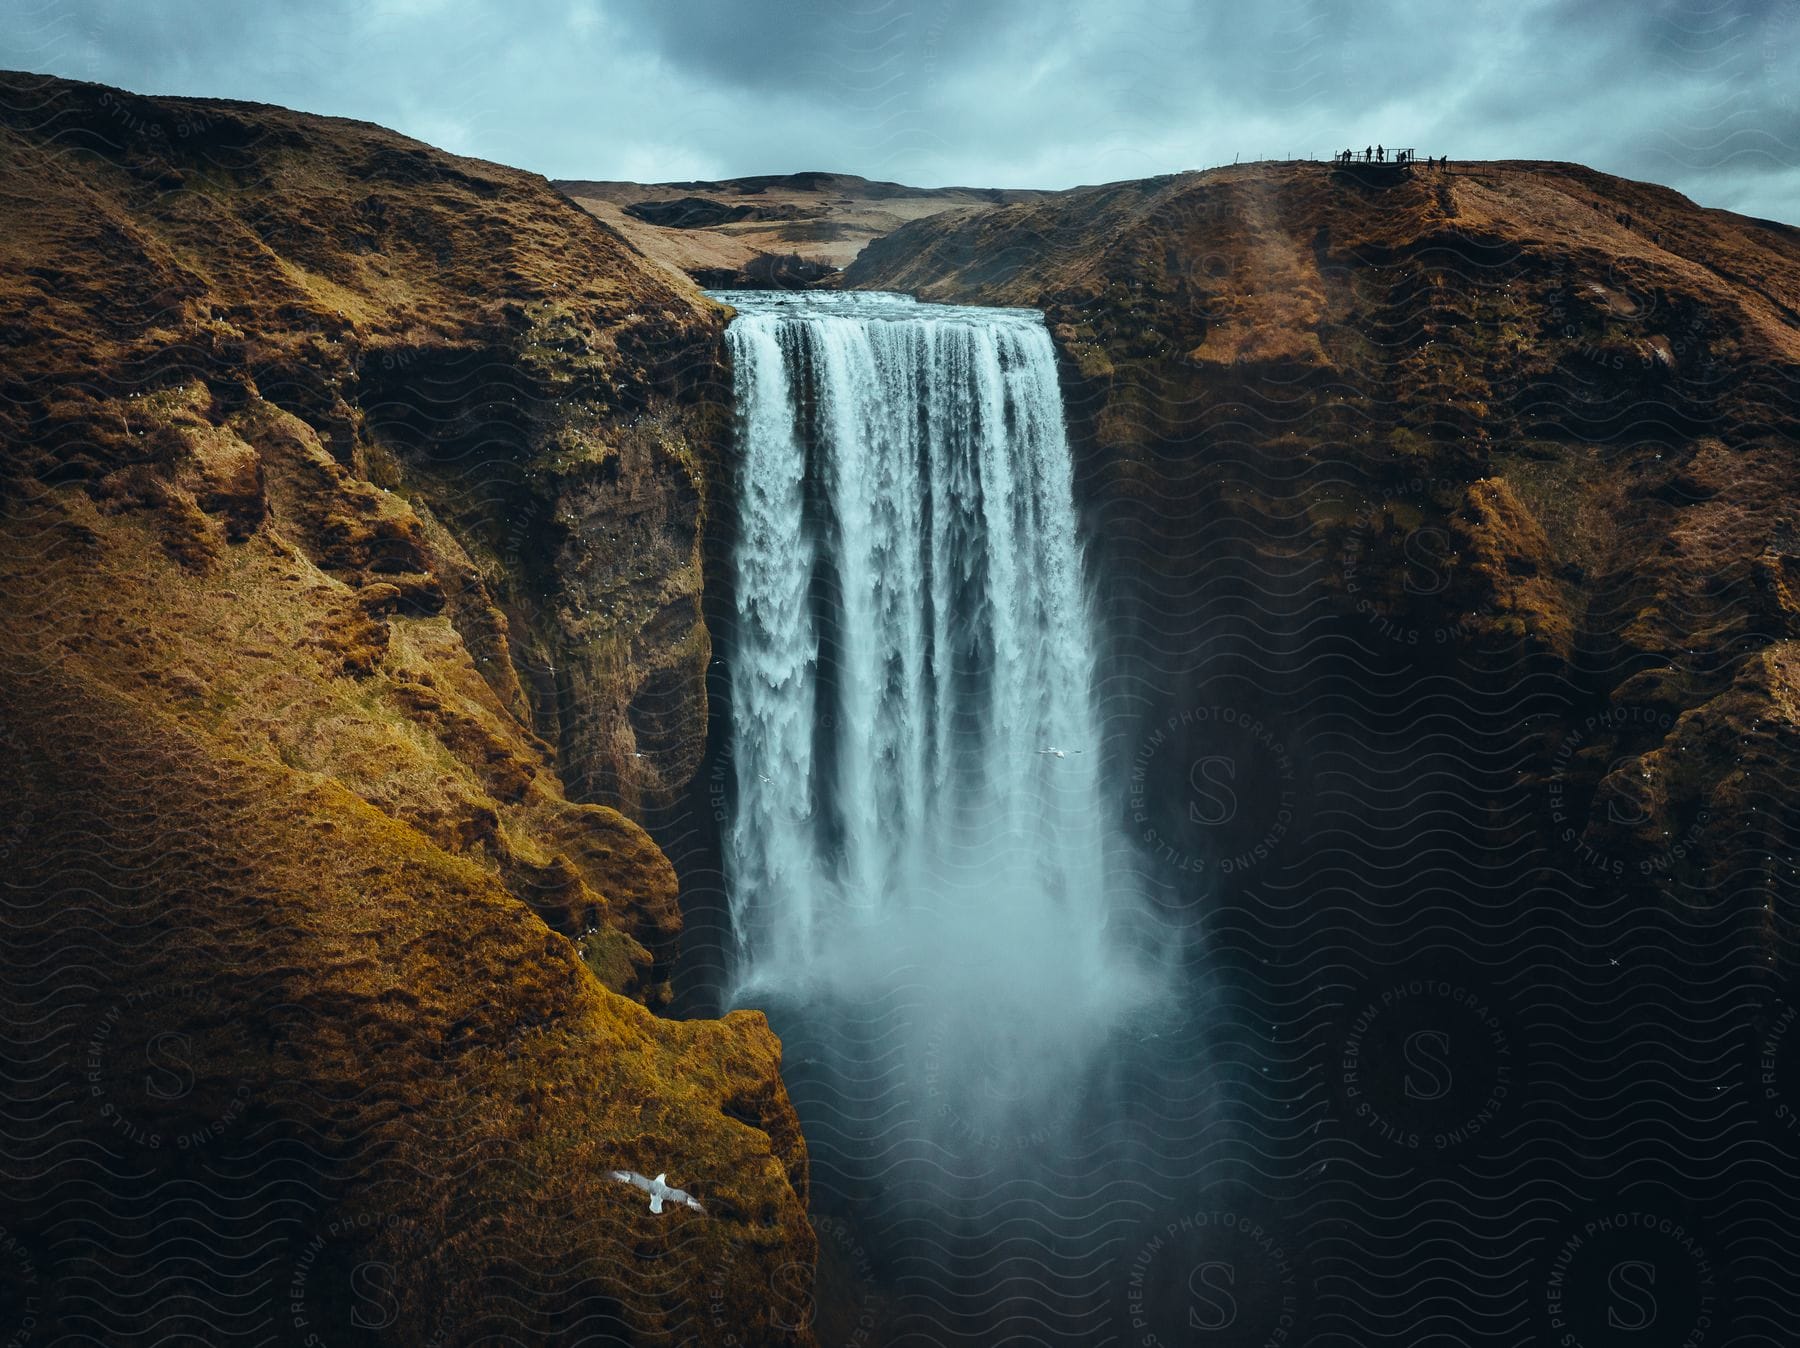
{"x": 1378, "y": 154}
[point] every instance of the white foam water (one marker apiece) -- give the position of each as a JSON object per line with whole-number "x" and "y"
{"x": 920, "y": 801}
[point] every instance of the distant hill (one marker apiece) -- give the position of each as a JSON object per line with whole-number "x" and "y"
{"x": 714, "y": 231}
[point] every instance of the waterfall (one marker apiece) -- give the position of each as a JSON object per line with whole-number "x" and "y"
{"x": 920, "y": 797}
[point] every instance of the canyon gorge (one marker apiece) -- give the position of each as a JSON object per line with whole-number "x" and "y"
{"x": 459, "y": 673}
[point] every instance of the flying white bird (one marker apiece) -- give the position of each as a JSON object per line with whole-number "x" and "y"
{"x": 766, "y": 780}
{"x": 658, "y": 1190}
{"x": 1059, "y": 753}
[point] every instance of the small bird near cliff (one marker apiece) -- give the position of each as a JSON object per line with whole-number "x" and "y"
{"x": 1059, "y": 753}
{"x": 658, "y": 1190}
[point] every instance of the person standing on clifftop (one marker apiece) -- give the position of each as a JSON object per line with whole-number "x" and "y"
{"x": 1380, "y": 155}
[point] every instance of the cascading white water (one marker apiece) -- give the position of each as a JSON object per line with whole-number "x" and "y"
{"x": 919, "y": 794}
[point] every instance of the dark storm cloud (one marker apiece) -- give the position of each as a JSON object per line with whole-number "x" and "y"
{"x": 1699, "y": 95}
{"x": 820, "y": 44}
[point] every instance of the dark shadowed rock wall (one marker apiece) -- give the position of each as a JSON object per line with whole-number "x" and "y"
{"x": 1447, "y": 534}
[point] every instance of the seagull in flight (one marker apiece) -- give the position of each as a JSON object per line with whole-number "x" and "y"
{"x": 765, "y": 779}
{"x": 658, "y": 1190}
{"x": 1058, "y": 753}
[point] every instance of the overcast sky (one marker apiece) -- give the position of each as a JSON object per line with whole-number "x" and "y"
{"x": 1018, "y": 93}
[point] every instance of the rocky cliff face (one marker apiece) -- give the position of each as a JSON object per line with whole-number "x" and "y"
{"x": 351, "y": 579}
{"x": 1505, "y": 422}
{"x": 1446, "y": 536}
